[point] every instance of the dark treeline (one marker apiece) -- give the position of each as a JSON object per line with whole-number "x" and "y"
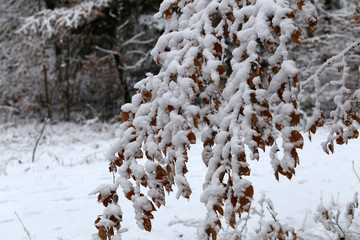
{"x": 88, "y": 69}
{"x": 76, "y": 72}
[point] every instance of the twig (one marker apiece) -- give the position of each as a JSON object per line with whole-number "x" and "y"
{"x": 337, "y": 223}
{"x": 304, "y": 222}
{"x": 9, "y": 108}
{"x": 133, "y": 39}
{"x": 25, "y": 229}
{"x": 271, "y": 211}
{"x": 353, "y": 165}
{"x": 38, "y": 140}
{"x": 123, "y": 25}
{"x": 107, "y": 50}
{"x": 6, "y": 125}
{"x": 245, "y": 225}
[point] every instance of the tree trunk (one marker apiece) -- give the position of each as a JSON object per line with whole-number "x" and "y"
{"x": 48, "y": 104}
{"x": 125, "y": 95}
{"x": 332, "y": 4}
{"x": 67, "y": 79}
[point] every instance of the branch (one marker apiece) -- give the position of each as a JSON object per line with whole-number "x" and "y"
{"x": 25, "y": 229}
{"x": 134, "y": 40}
{"x": 118, "y": 54}
{"x": 138, "y": 52}
{"x": 353, "y": 165}
{"x": 38, "y": 140}
{"x": 107, "y": 51}
{"x": 329, "y": 14}
{"x": 329, "y": 62}
{"x": 127, "y": 42}
{"x": 135, "y": 65}
{"x": 122, "y": 25}
{"x": 322, "y": 36}
{"x": 141, "y": 42}
{"x": 338, "y": 225}
{"x": 273, "y": 215}
{"x": 51, "y": 22}
{"x": 7, "y": 56}
{"x": 9, "y": 108}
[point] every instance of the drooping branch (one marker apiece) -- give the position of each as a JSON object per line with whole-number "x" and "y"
{"x": 233, "y": 56}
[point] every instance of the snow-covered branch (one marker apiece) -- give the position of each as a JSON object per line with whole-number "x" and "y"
{"x": 12, "y": 109}
{"x": 137, "y": 64}
{"x": 107, "y": 51}
{"x": 244, "y": 106}
{"x": 134, "y": 40}
{"x": 330, "y": 61}
{"x": 127, "y": 67}
{"x": 52, "y": 22}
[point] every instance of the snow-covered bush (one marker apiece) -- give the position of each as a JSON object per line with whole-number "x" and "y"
{"x": 338, "y": 222}
{"x": 232, "y": 56}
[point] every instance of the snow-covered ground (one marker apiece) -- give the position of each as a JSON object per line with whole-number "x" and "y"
{"x": 51, "y": 196}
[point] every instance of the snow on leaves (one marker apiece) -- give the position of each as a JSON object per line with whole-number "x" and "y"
{"x": 232, "y": 57}
{"x": 108, "y": 224}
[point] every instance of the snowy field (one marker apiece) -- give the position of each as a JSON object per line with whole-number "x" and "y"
{"x": 51, "y": 196}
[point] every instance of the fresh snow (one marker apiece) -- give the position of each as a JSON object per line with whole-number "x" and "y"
{"x": 51, "y": 196}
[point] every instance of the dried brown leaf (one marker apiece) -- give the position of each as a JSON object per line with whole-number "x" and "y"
{"x": 300, "y": 4}
{"x": 124, "y": 116}
{"x": 102, "y": 233}
{"x": 146, "y": 95}
{"x": 357, "y": 16}
{"x": 219, "y": 210}
{"x": 147, "y": 224}
{"x": 217, "y": 47}
{"x": 296, "y": 36}
{"x": 192, "y": 138}
{"x": 129, "y": 194}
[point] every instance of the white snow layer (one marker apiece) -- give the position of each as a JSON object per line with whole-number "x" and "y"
{"x": 51, "y": 196}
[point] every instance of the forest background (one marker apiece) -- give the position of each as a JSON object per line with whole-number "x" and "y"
{"x": 86, "y": 65}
